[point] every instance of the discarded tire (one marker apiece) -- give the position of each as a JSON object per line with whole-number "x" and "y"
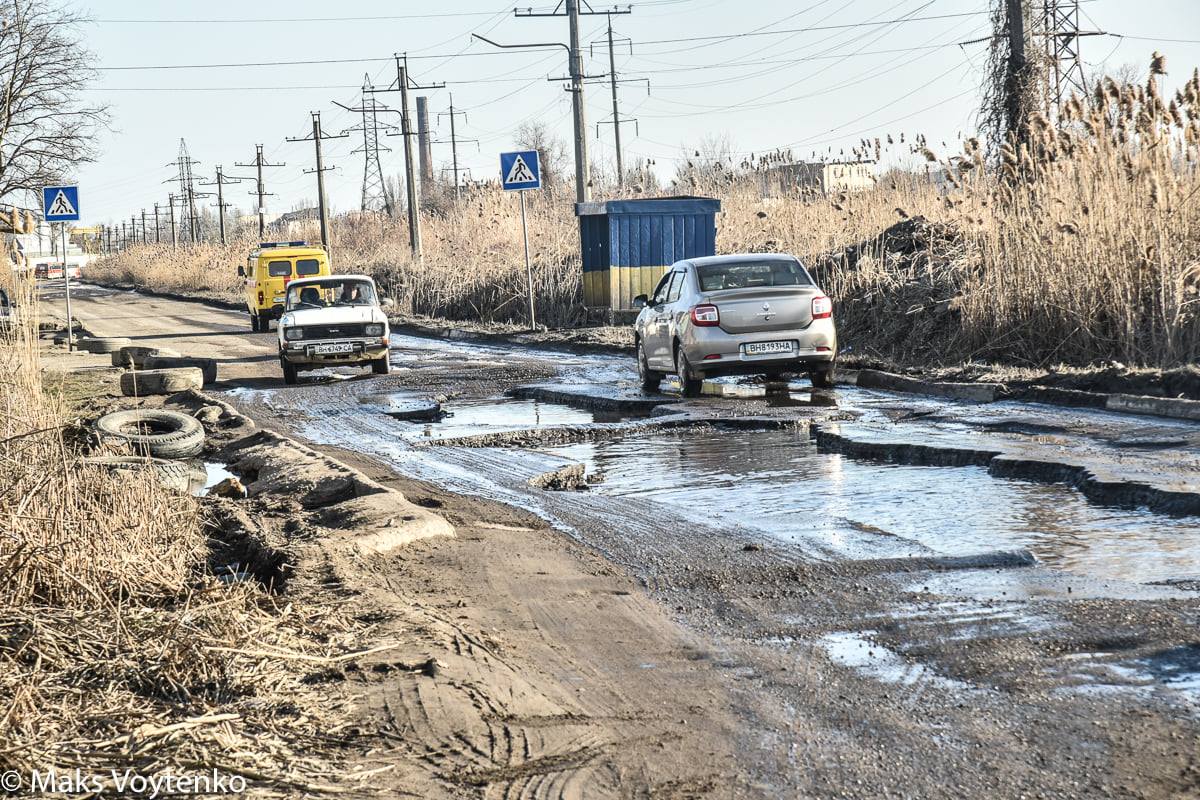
{"x": 163, "y": 434}
{"x": 161, "y": 381}
{"x": 136, "y": 356}
{"x": 104, "y": 344}
{"x": 167, "y": 360}
{"x": 172, "y": 474}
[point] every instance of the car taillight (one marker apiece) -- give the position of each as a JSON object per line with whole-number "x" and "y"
{"x": 822, "y": 308}
{"x": 706, "y": 316}
{"x": 260, "y": 298}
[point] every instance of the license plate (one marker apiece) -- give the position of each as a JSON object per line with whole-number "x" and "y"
{"x": 764, "y": 348}
{"x": 330, "y": 349}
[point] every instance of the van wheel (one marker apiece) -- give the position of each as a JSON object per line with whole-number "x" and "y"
{"x": 381, "y": 366}
{"x": 289, "y": 372}
{"x": 254, "y": 323}
{"x": 689, "y": 384}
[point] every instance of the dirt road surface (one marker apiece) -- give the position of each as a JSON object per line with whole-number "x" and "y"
{"x": 843, "y": 594}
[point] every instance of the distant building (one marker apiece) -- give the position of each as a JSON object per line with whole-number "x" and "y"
{"x": 824, "y": 177}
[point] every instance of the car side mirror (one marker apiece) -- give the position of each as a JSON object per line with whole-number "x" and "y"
{"x": 241, "y": 271}
{"x": 641, "y": 301}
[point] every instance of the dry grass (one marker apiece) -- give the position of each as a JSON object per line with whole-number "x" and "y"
{"x": 116, "y": 649}
{"x": 1082, "y": 245}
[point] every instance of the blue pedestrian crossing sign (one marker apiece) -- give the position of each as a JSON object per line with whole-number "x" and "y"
{"x": 60, "y": 203}
{"x": 520, "y": 170}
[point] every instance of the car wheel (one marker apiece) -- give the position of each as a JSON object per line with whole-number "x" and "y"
{"x": 381, "y": 366}
{"x": 822, "y": 378}
{"x": 254, "y": 326}
{"x": 289, "y": 371}
{"x": 688, "y": 382}
{"x": 649, "y": 379}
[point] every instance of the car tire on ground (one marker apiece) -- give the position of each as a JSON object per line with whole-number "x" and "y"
{"x": 689, "y": 384}
{"x": 161, "y": 381}
{"x": 154, "y": 432}
{"x": 136, "y": 355}
{"x": 649, "y": 379}
{"x": 173, "y": 474}
{"x": 256, "y": 323}
{"x": 290, "y": 373}
{"x": 104, "y": 344}
{"x": 822, "y": 378}
{"x": 207, "y": 366}
{"x": 381, "y": 366}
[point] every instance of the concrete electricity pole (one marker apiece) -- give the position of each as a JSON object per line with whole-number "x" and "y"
{"x": 260, "y": 190}
{"x": 316, "y": 138}
{"x": 454, "y": 140}
{"x": 402, "y": 85}
{"x": 577, "y": 77}
{"x": 614, "y": 80}
{"x": 145, "y": 237}
{"x": 157, "y": 229}
{"x": 221, "y": 182}
{"x": 174, "y": 237}
{"x": 1016, "y": 73}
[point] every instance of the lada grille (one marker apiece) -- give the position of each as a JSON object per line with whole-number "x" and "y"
{"x": 345, "y": 331}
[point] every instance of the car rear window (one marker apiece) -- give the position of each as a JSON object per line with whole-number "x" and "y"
{"x": 748, "y": 274}
{"x": 308, "y": 266}
{"x": 279, "y": 269}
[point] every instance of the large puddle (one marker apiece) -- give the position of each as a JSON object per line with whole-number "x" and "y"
{"x": 778, "y": 484}
{"x": 475, "y": 417}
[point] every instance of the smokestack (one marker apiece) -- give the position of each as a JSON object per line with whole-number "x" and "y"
{"x": 423, "y": 147}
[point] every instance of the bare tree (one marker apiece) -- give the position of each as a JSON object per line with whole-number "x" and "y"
{"x": 552, "y": 151}
{"x": 46, "y": 130}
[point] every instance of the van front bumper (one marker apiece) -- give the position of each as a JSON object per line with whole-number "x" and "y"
{"x": 303, "y": 353}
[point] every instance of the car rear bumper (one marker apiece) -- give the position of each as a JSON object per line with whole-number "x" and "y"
{"x": 713, "y": 351}
{"x": 303, "y": 354}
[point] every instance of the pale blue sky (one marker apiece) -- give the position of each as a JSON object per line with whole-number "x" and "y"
{"x": 809, "y": 90}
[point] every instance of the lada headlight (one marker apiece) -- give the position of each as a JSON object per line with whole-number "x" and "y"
{"x": 292, "y": 334}
{"x": 374, "y": 329}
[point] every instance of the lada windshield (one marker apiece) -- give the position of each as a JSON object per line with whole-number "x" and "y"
{"x": 329, "y": 293}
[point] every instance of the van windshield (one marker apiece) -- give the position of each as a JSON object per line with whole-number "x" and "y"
{"x": 331, "y": 292}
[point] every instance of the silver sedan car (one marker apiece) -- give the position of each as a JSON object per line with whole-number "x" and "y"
{"x": 735, "y": 315}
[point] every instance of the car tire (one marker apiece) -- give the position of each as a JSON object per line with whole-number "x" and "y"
{"x": 171, "y": 434}
{"x": 138, "y": 355}
{"x": 689, "y": 384}
{"x": 822, "y": 378}
{"x": 207, "y": 366}
{"x": 290, "y": 373}
{"x": 175, "y": 475}
{"x": 104, "y": 345}
{"x": 381, "y": 366}
{"x": 161, "y": 381}
{"x": 650, "y": 380}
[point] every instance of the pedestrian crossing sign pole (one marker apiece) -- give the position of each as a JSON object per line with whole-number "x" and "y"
{"x": 519, "y": 171}
{"x": 61, "y": 204}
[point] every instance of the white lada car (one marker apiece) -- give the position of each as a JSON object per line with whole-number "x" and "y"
{"x": 332, "y": 321}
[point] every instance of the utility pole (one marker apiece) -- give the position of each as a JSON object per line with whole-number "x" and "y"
{"x": 614, "y": 80}
{"x": 424, "y": 151}
{"x": 171, "y": 206}
{"x": 454, "y": 140}
{"x": 157, "y": 229}
{"x": 123, "y": 239}
{"x": 402, "y": 85}
{"x": 577, "y": 77}
{"x": 222, "y": 181}
{"x": 133, "y": 228}
{"x": 1016, "y": 74}
{"x": 316, "y": 139}
{"x": 259, "y": 187}
{"x": 375, "y": 194}
{"x": 145, "y": 237}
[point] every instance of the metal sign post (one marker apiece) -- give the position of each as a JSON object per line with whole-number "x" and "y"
{"x": 520, "y": 171}
{"x": 61, "y": 204}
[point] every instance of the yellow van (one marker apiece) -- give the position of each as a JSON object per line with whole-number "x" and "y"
{"x": 269, "y": 268}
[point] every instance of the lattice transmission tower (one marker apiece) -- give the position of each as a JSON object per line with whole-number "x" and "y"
{"x": 1058, "y": 23}
{"x": 375, "y": 193}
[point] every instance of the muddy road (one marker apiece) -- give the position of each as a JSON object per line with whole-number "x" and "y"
{"x": 800, "y": 593}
